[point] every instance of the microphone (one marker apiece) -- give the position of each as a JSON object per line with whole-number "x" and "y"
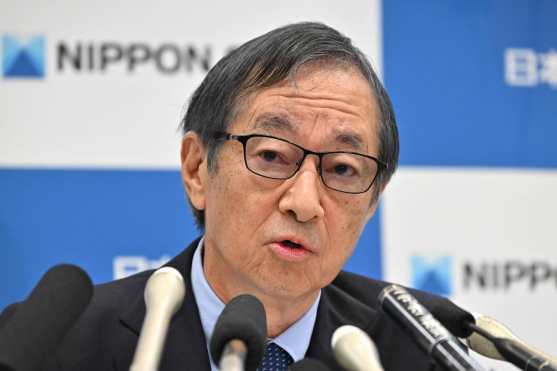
{"x": 493, "y": 340}
{"x": 164, "y": 294}
{"x": 494, "y": 329}
{"x": 37, "y": 327}
{"x": 454, "y": 318}
{"x": 507, "y": 346}
{"x": 308, "y": 364}
{"x": 425, "y": 330}
{"x": 240, "y": 334}
{"x": 354, "y": 349}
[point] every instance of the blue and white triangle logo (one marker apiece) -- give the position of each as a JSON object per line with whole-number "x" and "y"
{"x": 23, "y": 59}
{"x": 433, "y": 275}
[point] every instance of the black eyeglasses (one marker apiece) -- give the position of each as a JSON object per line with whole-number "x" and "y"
{"x": 277, "y": 158}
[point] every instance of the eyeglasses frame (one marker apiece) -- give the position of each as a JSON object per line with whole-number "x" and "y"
{"x": 381, "y": 166}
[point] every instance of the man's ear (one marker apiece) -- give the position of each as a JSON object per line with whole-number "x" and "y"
{"x": 194, "y": 169}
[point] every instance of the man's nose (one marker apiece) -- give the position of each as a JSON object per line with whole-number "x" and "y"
{"x": 303, "y": 197}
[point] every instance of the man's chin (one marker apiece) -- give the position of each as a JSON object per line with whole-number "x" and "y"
{"x": 287, "y": 290}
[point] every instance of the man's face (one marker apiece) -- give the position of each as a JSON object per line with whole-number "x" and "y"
{"x": 252, "y": 222}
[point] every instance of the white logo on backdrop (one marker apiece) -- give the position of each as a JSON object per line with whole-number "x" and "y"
{"x": 124, "y": 266}
{"x": 528, "y": 68}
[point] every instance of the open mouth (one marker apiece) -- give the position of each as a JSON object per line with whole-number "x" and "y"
{"x": 292, "y": 245}
{"x": 290, "y": 250}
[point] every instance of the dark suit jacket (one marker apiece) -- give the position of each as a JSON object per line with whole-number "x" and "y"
{"x": 105, "y": 336}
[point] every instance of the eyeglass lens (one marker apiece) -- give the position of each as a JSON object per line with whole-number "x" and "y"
{"x": 275, "y": 158}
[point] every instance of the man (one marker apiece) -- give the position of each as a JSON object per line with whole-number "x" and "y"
{"x": 288, "y": 144}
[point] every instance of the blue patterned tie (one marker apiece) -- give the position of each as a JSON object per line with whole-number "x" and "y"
{"x": 275, "y": 359}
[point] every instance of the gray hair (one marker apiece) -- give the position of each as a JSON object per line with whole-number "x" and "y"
{"x": 268, "y": 60}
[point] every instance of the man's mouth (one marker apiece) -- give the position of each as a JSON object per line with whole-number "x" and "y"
{"x": 292, "y": 245}
{"x": 290, "y": 250}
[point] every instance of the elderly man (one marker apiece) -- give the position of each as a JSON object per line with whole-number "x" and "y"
{"x": 287, "y": 145}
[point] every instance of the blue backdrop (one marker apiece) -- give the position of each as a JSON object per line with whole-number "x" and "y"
{"x": 88, "y": 217}
{"x": 444, "y": 67}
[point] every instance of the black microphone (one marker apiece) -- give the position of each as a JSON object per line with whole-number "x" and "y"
{"x": 491, "y": 339}
{"x": 454, "y": 318}
{"x": 39, "y": 324}
{"x": 425, "y": 330}
{"x": 240, "y": 334}
{"x": 308, "y": 364}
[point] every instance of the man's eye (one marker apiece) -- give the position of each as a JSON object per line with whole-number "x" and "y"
{"x": 268, "y": 156}
{"x": 344, "y": 170}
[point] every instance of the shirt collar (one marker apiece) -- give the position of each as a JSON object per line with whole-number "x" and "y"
{"x": 295, "y": 340}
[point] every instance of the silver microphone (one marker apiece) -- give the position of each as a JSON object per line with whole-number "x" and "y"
{"x": 495, "y": 329}
{"x": 164, "y": 294}
{"x": 354, "y": 349}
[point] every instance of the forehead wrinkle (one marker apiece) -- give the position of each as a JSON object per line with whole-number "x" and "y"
{"x": 338, "y": 103}
{"x": 280, "y": 122}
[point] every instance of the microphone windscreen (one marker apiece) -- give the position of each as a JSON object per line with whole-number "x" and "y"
{"x": 454, "y": 318}
{"x": 354, "y": 350}
{"x": 39, "y": 324}
{"x": 308, "y": 364}
{"x": 244, "y": 319}
{"x": 485, "y": 346}
{"x": 164, "y": 294}
{"x": 492, "y": 335}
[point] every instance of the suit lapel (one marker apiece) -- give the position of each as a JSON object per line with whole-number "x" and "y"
{"x": 337, "y": 308}
{"x": 185, "y": 347}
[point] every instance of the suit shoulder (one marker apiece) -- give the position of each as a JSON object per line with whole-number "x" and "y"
{"x": 364, "y": 289}
{"x": 109, "y": 301}
{"x": 90, "y": 342}
{"x": 367, "y": 290}
{"x": 115, "y": 294}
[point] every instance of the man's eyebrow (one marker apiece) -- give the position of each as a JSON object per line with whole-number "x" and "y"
{"x": 277, "y": 122}
{"x": 274, "y": 122}
{"x": 354, "y": 140}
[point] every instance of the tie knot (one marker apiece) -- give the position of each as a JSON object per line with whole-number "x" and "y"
{"x": 275, "y": 359}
